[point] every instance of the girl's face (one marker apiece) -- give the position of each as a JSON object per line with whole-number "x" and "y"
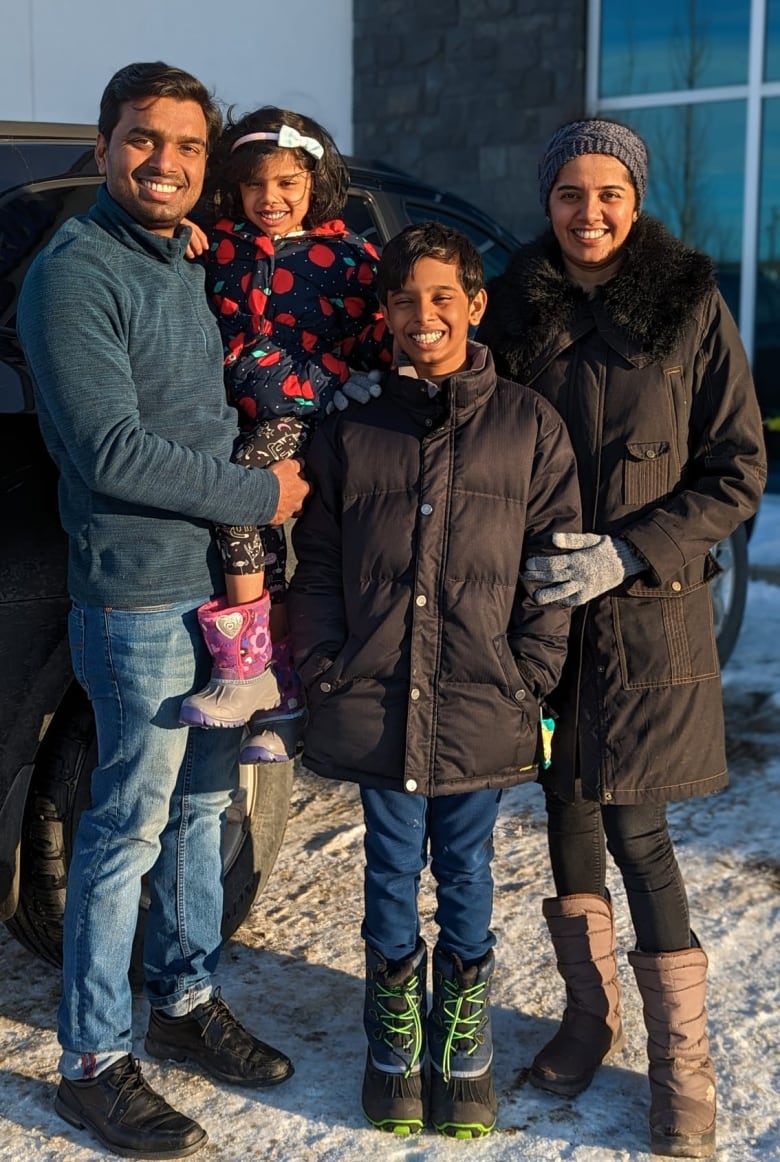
{"x": 277, "y": 197}
{"x": 592, "y": 208}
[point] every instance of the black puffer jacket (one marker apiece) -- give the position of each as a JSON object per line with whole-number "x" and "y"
{"x": 423, "y": 658}
{"x": 652, "y": 381}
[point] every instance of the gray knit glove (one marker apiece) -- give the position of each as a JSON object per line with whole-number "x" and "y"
{"x": 592, "y": 565}
{"x": 361, "y": 387}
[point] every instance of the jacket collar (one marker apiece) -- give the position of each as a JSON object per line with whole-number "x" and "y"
{"x": 535, "y": 311}
{"x": 461, "y": 393}
{"x": 112, "y": 218}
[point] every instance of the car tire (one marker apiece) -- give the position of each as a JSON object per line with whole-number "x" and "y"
{"x": 729, "y": 591}
{"x": 60, "y": 790}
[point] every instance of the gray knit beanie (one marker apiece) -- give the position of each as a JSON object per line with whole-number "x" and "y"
{"x": 592, "y": 136}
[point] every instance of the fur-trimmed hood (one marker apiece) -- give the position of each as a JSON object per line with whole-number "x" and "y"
{"x": 649, "y": 303}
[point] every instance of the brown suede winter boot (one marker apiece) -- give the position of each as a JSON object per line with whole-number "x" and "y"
{"x": 682, "y": 1076}
{"x": 583, "y": 935}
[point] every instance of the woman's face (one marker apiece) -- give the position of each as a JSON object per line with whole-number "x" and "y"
{"x": 278, "y": 196}
{"x": 592, "y": 208}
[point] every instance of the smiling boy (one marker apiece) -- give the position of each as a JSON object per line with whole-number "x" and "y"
{"x": 425, "y": 661}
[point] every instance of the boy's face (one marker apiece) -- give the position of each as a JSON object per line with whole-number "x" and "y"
{"x": 430, "y": 318}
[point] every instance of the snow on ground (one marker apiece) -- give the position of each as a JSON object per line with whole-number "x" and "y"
{"x": 294, "y": 973}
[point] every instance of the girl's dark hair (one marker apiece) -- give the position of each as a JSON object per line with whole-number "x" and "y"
{"x": 149, "y": 79}
{"x": 429, "y": 240}
{"x": 330, "y": 176}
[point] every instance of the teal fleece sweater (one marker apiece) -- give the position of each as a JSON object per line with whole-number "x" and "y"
{"x": 126, "y": 361}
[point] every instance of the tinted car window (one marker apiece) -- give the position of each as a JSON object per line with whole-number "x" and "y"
{"x": 33, "y": 161}
{"x": 31, "y": 209}
{"x": 359, "y": 216}
{"x": 495, "y": 254}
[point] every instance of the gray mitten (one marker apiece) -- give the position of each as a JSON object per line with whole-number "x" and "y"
{"x": 361, "y": 387}
{"x": 592, "y": 565}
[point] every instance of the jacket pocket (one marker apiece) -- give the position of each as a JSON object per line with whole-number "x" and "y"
{"x": 515, "y": 686}
{"x": 666, "y": 641}
{"x": 646, "y": 472}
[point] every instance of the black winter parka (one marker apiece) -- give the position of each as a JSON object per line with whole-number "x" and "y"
{"x": 651, "y": 378}
{"x": 423, "y": 657}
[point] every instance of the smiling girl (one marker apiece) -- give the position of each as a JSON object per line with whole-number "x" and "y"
{"x": 294, "y": 293}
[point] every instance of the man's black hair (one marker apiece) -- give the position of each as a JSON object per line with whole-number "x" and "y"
{"x": 429, "y": 240}
{"x": 147, "y": 80}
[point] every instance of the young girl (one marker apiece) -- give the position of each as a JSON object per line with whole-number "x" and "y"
{"x": 294, "y": 293}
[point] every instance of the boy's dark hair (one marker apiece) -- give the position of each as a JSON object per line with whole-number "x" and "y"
{"x": 429, "y": 240}
{"x": 330, "y": 176}
{"x": 150, "y": 79}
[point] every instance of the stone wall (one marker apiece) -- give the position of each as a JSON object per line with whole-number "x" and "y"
{"x": 464, "y": 93}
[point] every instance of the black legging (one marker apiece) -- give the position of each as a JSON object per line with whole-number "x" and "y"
{"x": 247, "y": 549}
{"x": 637, "y": 837}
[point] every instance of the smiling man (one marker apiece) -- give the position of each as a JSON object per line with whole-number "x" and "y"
{"x": 127, "y": 367}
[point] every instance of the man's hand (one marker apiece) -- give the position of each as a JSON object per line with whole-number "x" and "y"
{"x": 293, "y": 489}
{"x": 593, "y": 565}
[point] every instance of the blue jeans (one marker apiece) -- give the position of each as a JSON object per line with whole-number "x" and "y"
{"x": 159, "y": 796}
{"x": 400, "y": 831}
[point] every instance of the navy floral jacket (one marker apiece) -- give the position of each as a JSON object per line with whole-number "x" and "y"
{"x": 295, "y": 315}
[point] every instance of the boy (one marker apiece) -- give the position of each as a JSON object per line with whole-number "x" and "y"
{"x": 425, "y": 661}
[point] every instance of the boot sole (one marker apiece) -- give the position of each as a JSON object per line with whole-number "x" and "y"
{"x": 163, "y": 1052}
{"x": 400, "y": 1129}
{"x": 571, "y": 1087}
{"x": 198, "y": 718}
{"x": 456, "y": 1130}
{"x": 676, "y": 1146}
{"x": 79, "y": 1122}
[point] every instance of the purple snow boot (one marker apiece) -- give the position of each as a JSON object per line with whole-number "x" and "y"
{"x": 276, "y": 734}
{"x": 241, "y": 681}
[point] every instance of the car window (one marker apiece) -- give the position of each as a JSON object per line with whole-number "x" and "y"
{"x": 31, "y": 161}
{"x": 29, "y": 215}
{"x": 360, "y": 217}
{"x": 495, "y": 254}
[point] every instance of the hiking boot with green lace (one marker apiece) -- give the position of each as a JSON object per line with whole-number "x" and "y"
{"x": 394, "y": 1092}
{"x": 463, "y": 1100}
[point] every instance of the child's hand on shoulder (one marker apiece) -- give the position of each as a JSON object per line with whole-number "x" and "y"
{"x": 198, "y": 243}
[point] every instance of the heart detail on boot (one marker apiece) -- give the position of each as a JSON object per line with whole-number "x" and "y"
{"x": 230, "y": 624}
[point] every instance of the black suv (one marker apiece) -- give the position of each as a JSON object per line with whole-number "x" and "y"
{"x": 47, "y": 737}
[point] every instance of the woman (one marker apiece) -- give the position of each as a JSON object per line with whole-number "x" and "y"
{"x": 623, "y": 329}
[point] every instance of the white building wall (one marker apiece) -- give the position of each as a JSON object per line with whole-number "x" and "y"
{"x": 57, "y": 55}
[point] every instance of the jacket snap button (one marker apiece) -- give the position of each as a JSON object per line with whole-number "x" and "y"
{"x": 414, "y": 694}
{"x": 607, "y": 796}
{"x": 411, "y": 784}
{"x": 325, "y": 687}
{"x": 519, "y": 695}
{"x": 426, "y": 509}
{"x": 421, "y": 600}
{"x": 677, "y": 586}
{"x": 650, "y": 454}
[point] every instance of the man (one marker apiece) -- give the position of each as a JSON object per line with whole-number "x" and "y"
{"x": 127, "y": 364}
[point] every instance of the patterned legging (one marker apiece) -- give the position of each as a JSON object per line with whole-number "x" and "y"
{"x": 247, "y": 549}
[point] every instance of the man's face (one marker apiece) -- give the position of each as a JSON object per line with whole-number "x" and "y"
{"x": 155, "y": 161}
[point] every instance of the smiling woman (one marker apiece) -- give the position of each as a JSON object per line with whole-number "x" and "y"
{"x": 623, "y": 329}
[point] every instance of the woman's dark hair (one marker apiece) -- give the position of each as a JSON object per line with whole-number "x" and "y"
{"x": 150, "y": 79}
{"x": 330, "y": 176}
{"x": 429, "y": 240}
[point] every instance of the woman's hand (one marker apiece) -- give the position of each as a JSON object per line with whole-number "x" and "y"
{"x": 198, "y": 243}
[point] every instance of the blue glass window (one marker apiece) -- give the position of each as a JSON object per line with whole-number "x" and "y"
{"x": 668, "y": 45}
{"x": 697, "y": 161}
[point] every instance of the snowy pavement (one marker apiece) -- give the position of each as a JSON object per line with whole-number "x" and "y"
{"x": 294, "y": 973}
